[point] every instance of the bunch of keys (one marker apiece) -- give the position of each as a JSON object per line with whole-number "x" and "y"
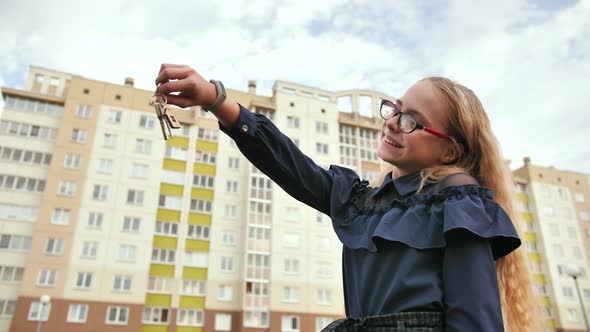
{"x": 165, "y": 115}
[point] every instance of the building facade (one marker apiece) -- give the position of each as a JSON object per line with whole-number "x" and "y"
{"x": 125, "y": 231}
{"x": 555, "y": 210}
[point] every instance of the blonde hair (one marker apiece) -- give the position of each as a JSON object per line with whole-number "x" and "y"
{"x": 482, "y": 159}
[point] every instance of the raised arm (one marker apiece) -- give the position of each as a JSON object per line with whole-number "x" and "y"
{"x": 259, "y": 140}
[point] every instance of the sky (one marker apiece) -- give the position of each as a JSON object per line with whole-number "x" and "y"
{"x": 528, "y": 61}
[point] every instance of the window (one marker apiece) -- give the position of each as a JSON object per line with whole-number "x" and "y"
{"x": 321, "y": 148}
{"x": 77, "y": 313}
{"x": 11, "y": 273}
{"x": 89, "y": 249}
{"x": 29, "y": 157}
{"x": 60, "y": 216}
{"x": 114, "y": 116}
{"x": 127, "y": 253}
{"x": 322, "y": 219}
{"x": 79, "y": 135}
{"x": 117, "y": 315}
{"x": 579, "y": 197}
{"x": 292, "y": 214}
{"x": 190, "y": 317}
{"x": 224, "y": 293}
{"x": 321, "y": 127}
{"x": 196, "y": 258}
{"x": 558, "y": 249}
{"x": 54, "y": 246}
{"x": 194, "y": 287}
{"x": 584, "y": 216}
{"x": 233, "y": 163}
{"x": 166, "y": 228}
{"x": 231, "y": 186}
{"x": 163, "y": 256}
{"x": 203, "y": 181}
{"x": 290, "y": 294}
{"x": 100, "y": 192}
{"x": 548, "y": 210}
{"x": 576, "y": 252}
{"x": 572, "y": 233}
{"x": 568, "y": 292}
{"x": 291, "y": 266}
{"x": 143, "y": 145}
{"x": 231, "y": 211}
{"x": 255, "y": 318}
{"x": 321, "y": 322}
{"x": 572, "y": 315}
{"x": 66, "y": 188}
{"x": 139, "y": 171}
{"x": 122, "y": 283}
{"x": 554, "y": 229}
{"x": 7, "y": 307}
{"x": 324, "y": 243}
{"x": 228, "y": 238}
{"x": 324, "y": 296}
{"x": 83, "y": 111}
{"x": 292, "y": 122}
{"x": 155, "y": 315}
{"x": 39, "y": 311}
{"x": 290, "y": 324}
{"x": 160, "y": 285}
{"x": 222, "y": 322}
{"x": 18, "y": 212}
{"x": 170, "y": 202}
{"x": 15, "y": 242}
{"x": 110, "y": 140}
{"x": 366, "y": 106}
{"x": 174, "y": 152}
{"x": 26, "y": 130}
{"x": 105, "y": 166}
{"x": 345, "y": 104}
{"x": 205, "y": 157}
{"x": 208, "y": 134}
{"x": 202, "y": 206}
{"x": 95, "y": 220}
{"x": 226, "y": 264}
{"x": 20, "y": 183}
{"x": 173, "y": 177}
{"x": 291, "y": 240}
{"x": 147, "y": 122}
{"x": 198, "y": 232}
{"x": 72, "y": 160}
{"x": 324, "y": 270}
{"x": 135, "y": 197}
{"x": 369, "y": 141}
{"x": 83, "y": 280}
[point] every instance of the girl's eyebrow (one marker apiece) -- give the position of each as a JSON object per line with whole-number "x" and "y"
{"x": 411, "y": 110}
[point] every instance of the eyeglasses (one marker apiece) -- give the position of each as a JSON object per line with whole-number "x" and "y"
{"x": 406, "y": 122}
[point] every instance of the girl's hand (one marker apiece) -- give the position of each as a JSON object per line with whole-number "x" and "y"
{"x": 184, "y": 87}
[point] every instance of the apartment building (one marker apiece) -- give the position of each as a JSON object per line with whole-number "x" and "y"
{"x": 555, "y": 209}
{"x": 106, "y": 226}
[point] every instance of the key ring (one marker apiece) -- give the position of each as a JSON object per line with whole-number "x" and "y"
{"x": 158, "y": 98}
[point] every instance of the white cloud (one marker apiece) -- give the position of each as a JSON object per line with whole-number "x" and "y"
{"x": 530, "y": 66}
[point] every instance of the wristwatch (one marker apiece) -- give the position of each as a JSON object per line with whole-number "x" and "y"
{"x": 221, "y": 95}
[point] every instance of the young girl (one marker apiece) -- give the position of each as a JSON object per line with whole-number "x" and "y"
{"x": 428, "y": 247}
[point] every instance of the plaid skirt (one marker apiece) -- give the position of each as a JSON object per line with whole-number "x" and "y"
{"x": 414, "y": 321}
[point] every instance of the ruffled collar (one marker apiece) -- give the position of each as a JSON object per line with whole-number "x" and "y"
{"x": 403, "y": 185}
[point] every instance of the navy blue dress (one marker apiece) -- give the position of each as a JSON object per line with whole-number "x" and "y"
{"x": 402, "y": 250}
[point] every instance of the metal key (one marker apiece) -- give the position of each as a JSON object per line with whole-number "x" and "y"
{"x": 159, "y": 100}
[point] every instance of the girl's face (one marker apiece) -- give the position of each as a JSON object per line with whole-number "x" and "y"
{"x": 418, "y": 150}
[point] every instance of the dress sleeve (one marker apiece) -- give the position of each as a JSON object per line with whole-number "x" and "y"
{"x": 471, "y": 295}
{"x": 274, "y": 154}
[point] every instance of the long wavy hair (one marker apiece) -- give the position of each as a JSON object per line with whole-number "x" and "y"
{"x": 481, "y": 157}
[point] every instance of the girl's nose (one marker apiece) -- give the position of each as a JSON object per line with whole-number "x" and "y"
{"x": 391, "y": 123}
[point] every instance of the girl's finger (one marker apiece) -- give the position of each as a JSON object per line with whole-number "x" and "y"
{"x": 174, "y": 73}
{"x": 179, "y": 101}
{"x": 171, "y": 86}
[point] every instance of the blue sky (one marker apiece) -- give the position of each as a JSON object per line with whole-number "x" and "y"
{"x": 529, "y": 61}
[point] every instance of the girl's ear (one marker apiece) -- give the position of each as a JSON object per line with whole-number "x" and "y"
{"x": 452, "y": 153}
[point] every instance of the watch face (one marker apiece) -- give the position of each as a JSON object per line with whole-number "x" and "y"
{"x": 222, "y": 88}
